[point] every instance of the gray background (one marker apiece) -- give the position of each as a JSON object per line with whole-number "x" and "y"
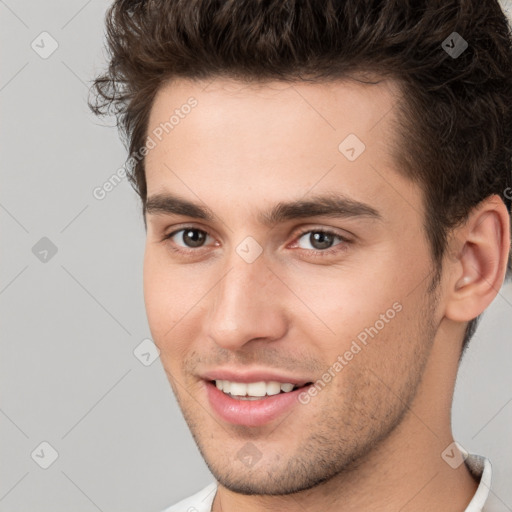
{"x": 70, "y": 324}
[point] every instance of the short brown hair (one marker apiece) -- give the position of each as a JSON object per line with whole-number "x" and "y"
{"x": 455, "y": 121}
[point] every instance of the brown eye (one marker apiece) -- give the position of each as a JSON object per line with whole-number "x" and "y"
{"x": 319, "y": 240}
{"x": 190, "y": 237}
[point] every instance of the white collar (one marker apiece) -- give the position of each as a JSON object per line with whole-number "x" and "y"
{"x": 478, "y": 466}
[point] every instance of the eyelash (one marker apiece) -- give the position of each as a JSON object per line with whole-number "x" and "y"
{"x": 311, "y": 252}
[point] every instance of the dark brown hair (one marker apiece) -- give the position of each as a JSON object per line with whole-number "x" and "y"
{"x": 454, "y": 118}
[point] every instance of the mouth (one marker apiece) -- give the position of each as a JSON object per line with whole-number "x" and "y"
{"x": 252, "y": 404}
{"x": 255, "y": 390}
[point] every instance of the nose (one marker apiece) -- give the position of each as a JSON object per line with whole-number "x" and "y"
{"x": 246, "y": 305}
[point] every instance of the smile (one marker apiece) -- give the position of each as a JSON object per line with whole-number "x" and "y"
{"x": 253, "y": 390}
{"x": 252, "y": 404}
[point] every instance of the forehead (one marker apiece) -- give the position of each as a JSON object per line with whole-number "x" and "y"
{"x": 335, "y": 106}
{"x": 273, "y": 140}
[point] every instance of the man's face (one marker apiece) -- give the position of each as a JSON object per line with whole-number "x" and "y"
{"x": 236, "y": 298}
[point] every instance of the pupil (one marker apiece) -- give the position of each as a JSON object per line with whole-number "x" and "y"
{"x": 320, "y": 240}
{"x": 191, "y": 240}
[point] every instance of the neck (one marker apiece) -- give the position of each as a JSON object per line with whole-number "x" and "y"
{"x": 405, "y": 472}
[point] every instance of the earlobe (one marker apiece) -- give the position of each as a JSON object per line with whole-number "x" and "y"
{"x": 479, "y": 269}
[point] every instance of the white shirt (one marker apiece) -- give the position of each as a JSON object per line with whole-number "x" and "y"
{"x": 484, "y": 499}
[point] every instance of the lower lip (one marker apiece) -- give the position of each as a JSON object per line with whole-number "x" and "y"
{"x": 251, "y": 413}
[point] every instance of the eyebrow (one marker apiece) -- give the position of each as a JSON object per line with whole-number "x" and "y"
{"x": 330, "y": 205}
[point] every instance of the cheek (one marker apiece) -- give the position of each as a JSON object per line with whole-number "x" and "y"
{"x": 155, "y": 299}
{"x": 161, "y": 291}
{"x": 173, "y": 298}
{"x": 381, "y": 362}
{"x": 339, "y": 304}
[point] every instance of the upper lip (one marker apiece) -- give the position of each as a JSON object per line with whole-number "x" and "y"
{"x": 253, "y": 376}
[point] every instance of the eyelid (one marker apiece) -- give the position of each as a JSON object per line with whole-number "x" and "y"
{"x": 328, "y": 230}
{"x": 297, "y": 234}
{"x": 176, "y": 230}
{"x": 186, "y": 225}
{"x": 334, "y": 250}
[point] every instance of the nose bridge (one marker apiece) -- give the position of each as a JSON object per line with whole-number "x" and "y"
{"x": 244, "y": 306}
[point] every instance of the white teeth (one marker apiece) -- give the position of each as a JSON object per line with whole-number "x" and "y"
{"x": 256, "y": 389}
{"x": 273, "y": 388}
{"x": 238, "y": 388}
{"x": 253, "y": 389}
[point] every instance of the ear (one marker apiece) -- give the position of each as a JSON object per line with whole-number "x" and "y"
{"x": 480, "y": 250}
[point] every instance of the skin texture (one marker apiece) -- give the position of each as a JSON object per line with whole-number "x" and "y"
{"x": 372, "y": 438}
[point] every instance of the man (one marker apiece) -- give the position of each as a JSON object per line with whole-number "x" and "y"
{"x": 326, "y": 192}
